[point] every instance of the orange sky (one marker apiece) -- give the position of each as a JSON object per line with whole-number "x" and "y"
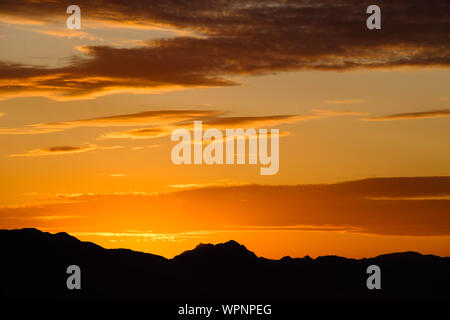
{"x": 86, "y": 117}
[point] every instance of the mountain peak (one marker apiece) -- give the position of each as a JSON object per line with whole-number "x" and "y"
{"x": 218, "y": 252}
{"x": 233, "y": 243}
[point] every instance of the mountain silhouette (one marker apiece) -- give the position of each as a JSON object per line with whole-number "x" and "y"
{"x": 33, "y": 265}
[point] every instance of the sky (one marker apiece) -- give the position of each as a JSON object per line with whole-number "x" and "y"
{"x": 364, "y": 115}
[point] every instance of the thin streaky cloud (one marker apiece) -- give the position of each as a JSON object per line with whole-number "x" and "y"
{"x": 63, "y": 150}
{"x": 27, "y": 130}
{"x": 145, "y": 147}
{"x": 226, "y": 138}
{"x": 255, "y": 121}
{"x": 298, "y": 228}
{"x": 65, "y": 33}
{"x": 139, "y": 118}
{"x": 58, "y": 150}
{"x": 145, "y": 133}
{"x": 411, "y": 115}
{"x": 161, "y": 122}
{"x": 349, "y": 101}
{"x": 152, "y": 117}
{"x": 22, "y": 19}
{"x": 218, "y": 183}
{"x": 337, "y": 113}
{"x": 148, "y": 236}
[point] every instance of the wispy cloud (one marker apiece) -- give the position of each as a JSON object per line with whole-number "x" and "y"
{"x": 62, "y": 150}
{"x": 117, "y": 175}
{"x": 218, "y": 121}
{"x": 64, "y": 33}
{"x": 337, "y": 113}
{"x": 153, "y": 117}
{"x": 255, "y": 121}
{"x": 298, "y": 228}
{"x": 349, "y": 101}
{"x": 145, "y": 147}
{"x": 145, "y": 133}
{"x": 163, "y": 122}
{"x": 218, "y": 183}
{"x": 28, "y": 130}
{"x": 412, "y": 115}
{"x": 145, "y": 236}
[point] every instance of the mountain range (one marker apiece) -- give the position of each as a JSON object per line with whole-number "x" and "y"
{"x": 33, "y": 265}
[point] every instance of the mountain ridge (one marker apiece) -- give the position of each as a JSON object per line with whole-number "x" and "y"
{"x": 229, "y": 243}
{"x": 36, "y": 264}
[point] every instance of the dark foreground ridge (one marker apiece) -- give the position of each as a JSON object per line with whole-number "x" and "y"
{"x": 33, "y": 265}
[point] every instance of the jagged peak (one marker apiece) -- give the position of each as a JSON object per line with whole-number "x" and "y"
{"x": 225, "y": 249}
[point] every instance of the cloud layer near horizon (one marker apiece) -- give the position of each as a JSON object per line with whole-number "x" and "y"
{"x": 233, "y": 38}
{"x": 416, "y": 206}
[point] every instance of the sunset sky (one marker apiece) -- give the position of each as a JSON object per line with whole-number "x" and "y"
{"x": 364, "y": 115}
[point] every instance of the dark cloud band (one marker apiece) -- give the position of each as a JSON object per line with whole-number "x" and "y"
{"x": 245, "y": 37}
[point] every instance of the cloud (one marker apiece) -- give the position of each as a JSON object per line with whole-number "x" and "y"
{"x": 415, "y": 206}
{"x": 218, "y": 183}
{"x": 145, "y": 147}
{"x": 21, "y": 20}
{"x": 255, "y": 121}
{"x": 412, "y": 115}
{"x": 65, "y": 33}
{"x": 297, "y": 228}
{"x": 232, "y": 38}
{"x": 62, "y": 150}
{"x": 27, "y": 130}
{"x": 55, "y": 217}
{"x": 145, "y": 236}
{"x": 145, "y": 133}
{"x": 218, "y": 121}
{"x": 153, "y": 117}
{"x": 162, "y": 122}
{"x": 350, "y": 101}
{"x": 337, "y": 113}
{"x": 55, "y": 151}
{"x": 179, "y": 118}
